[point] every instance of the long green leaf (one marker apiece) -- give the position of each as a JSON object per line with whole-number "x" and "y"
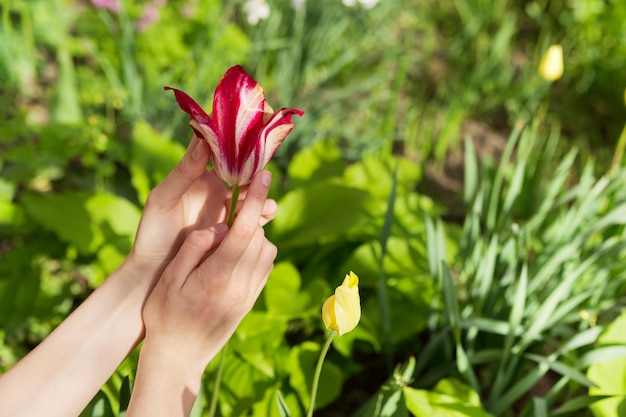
{"x": 283, "y": 408}
{"x": 561, "y": 368}
{"x": 579, "y": 403}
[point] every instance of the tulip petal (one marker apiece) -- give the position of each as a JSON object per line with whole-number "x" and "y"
{"x": 328, "y": 313}
{"x": 199, "y": 118}
{"x": 275, "y": 131}
{"x": 238, "y": 109}
{"x": 347, "y": 309}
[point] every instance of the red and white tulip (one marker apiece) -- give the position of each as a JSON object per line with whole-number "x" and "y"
{"x": 243, "y": 131}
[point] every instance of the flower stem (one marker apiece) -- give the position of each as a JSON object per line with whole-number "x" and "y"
{"x": 220, "y": 366}
{"x": 233, "y": 205}
{"x": 318, "y": 371}
{"x": 218, "y": 381}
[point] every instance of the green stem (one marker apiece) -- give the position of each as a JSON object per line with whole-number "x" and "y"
{"x": 619, "y": 153}
{"x": 233, "y": 205}
{"x": 220, "y": 366}
{"x": 218, "y": 381}
{"x": 318, "y": 371}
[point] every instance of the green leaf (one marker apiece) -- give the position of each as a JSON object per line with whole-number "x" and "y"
{"x": 152, "y": 158}
{"x": 99, "y": 406}
{"x": 302, "y": 361}
{"x": 579, "y": 403}
{"x": 322, "y": 210}
{"x": 285, "y": 298}
{"x": 85, "y": 220}
{"x": 422, "y": 403}
{"x": 387, "y": 402}
{"x": 610, "y": 376}
{"x": 561, "y": 368}
{"x": 257, "y": 338}
{"x": 283, "y": 408}
{"x": 315, "y": 163}
{"x": 125, "y": 392}
{"x": 470, "y": 171}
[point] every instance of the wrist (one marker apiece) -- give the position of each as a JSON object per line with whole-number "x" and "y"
{"x": 164, "y": 381}
{"x": 173, "y": 362}
{"x": 141, "y": 272}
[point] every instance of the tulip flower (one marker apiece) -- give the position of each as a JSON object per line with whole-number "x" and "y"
{"x": 342, "y": 311}
{"x": 551, "y": 65}
{"x": 243, "y": 132}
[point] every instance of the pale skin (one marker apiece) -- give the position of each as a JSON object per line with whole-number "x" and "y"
{"x": 196, "y": 280}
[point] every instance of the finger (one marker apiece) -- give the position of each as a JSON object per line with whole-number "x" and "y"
{"x": 193, "y": 251}
{"x": 269, "y": 211}
{"x": 189, "y": 168}
{"x": 265, "y": 264}
{"x": 270, "y": 208}
{"x": 246, "y": 223}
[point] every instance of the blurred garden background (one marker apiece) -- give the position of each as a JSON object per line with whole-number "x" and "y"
{"x": 482, "y": 206}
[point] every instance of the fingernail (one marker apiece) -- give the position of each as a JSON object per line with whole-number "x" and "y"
{"x": 219, "y": 228}
{"x": 266, "y": 178}
{"x": 197, "y": 151}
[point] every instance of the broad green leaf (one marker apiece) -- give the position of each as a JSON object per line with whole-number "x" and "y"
{"x": 422, "y": 403}
{"x": 84, "y": 220}
{"x": 610, "y": 376}
{"x": 153, "y": 157}
{"x": 65, "y": 214}
{"x": 257, "y": 337}
{"x": 410, "y": 299}
{"x": 243, "y": 384}
{"x": 376, "y": 175}
{"x": 322, "y": 210}
{"x": 315, "y": 163}
{"x": 284, "y": 296}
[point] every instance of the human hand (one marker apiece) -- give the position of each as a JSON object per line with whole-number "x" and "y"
{"x": 189, "y": 198}
{"x": 211, "y": 283}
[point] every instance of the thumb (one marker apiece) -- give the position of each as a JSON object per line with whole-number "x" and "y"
{"x": 191, "y": 167}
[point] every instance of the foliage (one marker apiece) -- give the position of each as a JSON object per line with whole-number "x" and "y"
{"x": 498, "y": 301}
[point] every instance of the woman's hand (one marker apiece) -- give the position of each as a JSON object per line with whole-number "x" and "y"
{"x": 189, "y": 198}
{"x": 205, "y": 291}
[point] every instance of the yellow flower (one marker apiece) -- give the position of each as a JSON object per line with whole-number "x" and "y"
{"x": 342, "y": 311}
{"x": 551, "y": 65}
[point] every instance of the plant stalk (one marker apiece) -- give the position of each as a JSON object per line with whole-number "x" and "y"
{"x": 233, "y": 205}
{"x": 218, "y": 382}
{"x": 318, "y": 371}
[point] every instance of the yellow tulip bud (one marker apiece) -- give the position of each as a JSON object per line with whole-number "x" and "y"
{"x": 551, "y": 65}
{"x": 342, "y": 311}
